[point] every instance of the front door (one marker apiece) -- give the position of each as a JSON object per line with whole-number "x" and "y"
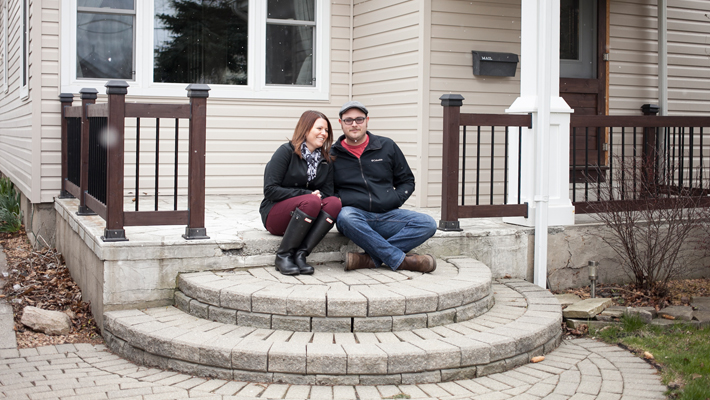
{"x": 582, "y": 74}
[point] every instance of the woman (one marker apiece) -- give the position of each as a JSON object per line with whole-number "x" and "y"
{"x": 298, "y": 193}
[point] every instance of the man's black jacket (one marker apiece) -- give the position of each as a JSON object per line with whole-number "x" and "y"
{"x": 379, "y": 181}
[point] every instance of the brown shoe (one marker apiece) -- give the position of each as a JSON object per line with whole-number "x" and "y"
{"x": 358, "y": 261}
{"x": 425, "y": 263}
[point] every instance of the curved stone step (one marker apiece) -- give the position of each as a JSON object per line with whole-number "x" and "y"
{"x": 525, "y": 322}
{"x": 333, "y": 300}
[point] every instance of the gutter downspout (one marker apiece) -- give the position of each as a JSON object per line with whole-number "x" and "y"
{"x": 663, "y": 57}
{"x": 542, "y": 167}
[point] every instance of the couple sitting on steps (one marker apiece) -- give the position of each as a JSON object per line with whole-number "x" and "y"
{"x": 361, "y": 181}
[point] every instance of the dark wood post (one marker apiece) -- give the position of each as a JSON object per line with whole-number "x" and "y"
{"x": 650, "y": 154}
{"x": 88, "y": 96}
{"x": 198, "y": 94}
{"x": 450, "y": 163}
{"x": 66, "y": 100}
{"x": 116, "y": 91}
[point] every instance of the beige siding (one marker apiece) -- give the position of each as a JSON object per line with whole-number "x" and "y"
{"x": 633, "y": 77}
{"x": 47, "y": 112}
{"x": 457, "y": 28}
{"x": 386, "y": 76}
{"x": 16, "y": 140}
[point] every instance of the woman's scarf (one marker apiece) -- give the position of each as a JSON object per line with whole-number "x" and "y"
{"x": 312, "y": 159}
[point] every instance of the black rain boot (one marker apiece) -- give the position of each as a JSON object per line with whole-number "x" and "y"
{"x": 320, "y": 228}
{"x": 297, "y": 229}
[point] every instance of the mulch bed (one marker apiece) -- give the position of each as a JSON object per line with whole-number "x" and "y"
{"x": 681, "y": 292}
{"x": 41, "y": 279}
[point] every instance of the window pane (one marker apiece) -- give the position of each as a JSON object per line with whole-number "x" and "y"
{"x": 289, "y": 55}
{"x": 569, "y": 29}
{"x": 104, "y": 46}
{"x": 118, "y": 4}
{"x": 201, "y": 41}
{"x": 302, "y": 10}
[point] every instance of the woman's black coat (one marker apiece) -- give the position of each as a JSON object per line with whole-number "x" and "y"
{"x": 286, "y": 176}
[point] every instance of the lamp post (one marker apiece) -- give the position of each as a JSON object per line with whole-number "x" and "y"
{"x": 593, "y": 276}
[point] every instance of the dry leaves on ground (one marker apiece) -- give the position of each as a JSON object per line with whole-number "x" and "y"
{"x": 40, "y": 278}
{"x": 680, "y": 292}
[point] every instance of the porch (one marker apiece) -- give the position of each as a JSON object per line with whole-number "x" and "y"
{"x": 142, "y": 271}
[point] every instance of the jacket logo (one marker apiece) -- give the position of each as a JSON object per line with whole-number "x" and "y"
{"x": 376, "y": 160}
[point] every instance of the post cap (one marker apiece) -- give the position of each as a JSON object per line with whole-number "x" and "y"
{"x": 650, "y": 109}
{"x": 88, "y": 93}
{"x": 198, "y": 90}
{"x": 116, "y": 87}
{"x": 451, "y": 100}
{"x": 66, "y": 97}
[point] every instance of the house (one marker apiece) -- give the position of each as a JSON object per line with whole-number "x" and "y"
{"x": 268, "y": 61}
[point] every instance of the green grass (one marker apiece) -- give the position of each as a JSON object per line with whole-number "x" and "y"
{"x": 683, "y": 351}
{"x": 10, "y": 214}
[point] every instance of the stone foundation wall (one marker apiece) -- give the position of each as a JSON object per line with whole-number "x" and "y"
{"x": 570, "y": 248}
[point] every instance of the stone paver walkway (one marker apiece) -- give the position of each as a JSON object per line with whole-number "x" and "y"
{"x": 579, "y": 369}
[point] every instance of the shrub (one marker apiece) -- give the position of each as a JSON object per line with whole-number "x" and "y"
{"x": 10, "y": 214}
{"x": 651, "y": 220}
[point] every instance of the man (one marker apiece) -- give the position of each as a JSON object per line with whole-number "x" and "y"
{"x": 372, "y": 179}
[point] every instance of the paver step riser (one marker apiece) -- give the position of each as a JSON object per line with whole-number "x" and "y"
{"x": 148, "y": 359}
{"x": 523, "y": 324}
{"x": 333, "y": 324}
{"x": 333, "y": 300}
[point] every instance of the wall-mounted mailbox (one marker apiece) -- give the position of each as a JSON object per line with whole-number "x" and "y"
{"x": 494, "y": 64}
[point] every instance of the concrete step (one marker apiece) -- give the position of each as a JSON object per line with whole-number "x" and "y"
{"x": 333, "y": 300}
{"x": 525, "y": 322}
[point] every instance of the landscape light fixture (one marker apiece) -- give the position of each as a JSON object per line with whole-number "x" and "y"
{"x": 593, "y": 276}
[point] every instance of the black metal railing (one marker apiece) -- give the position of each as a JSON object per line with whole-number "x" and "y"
{"x": 492, "y": 143}
{"x": 98, "y": 157}
{"x": 638, "y": 156}
{"x": 74, "y": 150}
{"x": 100, "y": 186}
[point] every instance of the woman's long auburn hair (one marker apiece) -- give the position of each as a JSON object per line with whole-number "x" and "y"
{"x": 304, "y": 125}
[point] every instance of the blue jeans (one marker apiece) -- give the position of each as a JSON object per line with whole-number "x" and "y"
{"x": 386, "y": 237}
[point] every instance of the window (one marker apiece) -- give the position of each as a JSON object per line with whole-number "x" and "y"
{"x": 25, "y": 37}
{"x": 204, "y": 42}
{"x": 578, "y": 46}
{"x": 105, "y": 33}
{"x": 241, "y": 48}
{"x": 290, "y": 35}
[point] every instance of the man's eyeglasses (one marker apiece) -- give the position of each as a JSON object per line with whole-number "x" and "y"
{"x": 349, "y": 121}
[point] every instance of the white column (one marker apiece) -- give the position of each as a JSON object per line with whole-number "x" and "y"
{"x": 545, "y": 147}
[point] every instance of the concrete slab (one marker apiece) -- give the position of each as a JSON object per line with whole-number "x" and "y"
{"x": 701, "y": 303}
{"x": 586, "y": 308}
{"x": 567, "y": 299}
{"x": 681, "y": 313}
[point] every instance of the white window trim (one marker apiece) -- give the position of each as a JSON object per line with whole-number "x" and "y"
{"x": 255, "y": 87}
{"x": 24, "y": 49}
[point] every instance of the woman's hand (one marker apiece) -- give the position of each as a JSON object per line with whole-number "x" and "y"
{"x": 317, "y": 193}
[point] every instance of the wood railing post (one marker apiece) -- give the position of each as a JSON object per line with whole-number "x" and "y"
{"x": 198, "y": 94}
{"x": 114, "y": 140}
{"x": 649, "y": 153}
{"x": 450, "y": 163}
{"x": 66, "y": 100}
{"x": 88, "y": 96}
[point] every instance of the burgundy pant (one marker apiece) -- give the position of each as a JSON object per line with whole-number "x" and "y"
{"x": 280, "y": 214}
